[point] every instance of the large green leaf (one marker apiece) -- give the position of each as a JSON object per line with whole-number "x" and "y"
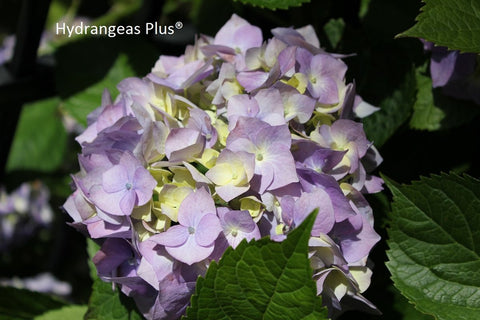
{"x": 402, "y": 306}
{"x": 261, "y": 280}
{"x": 275, "y": 4}
{"x": 40, "y": 138}
{"x": 394, "y": 111}
{"x": 452, "y": 24}
{"x": 435, "y": 245}
{"x": 17, "y": 304}
{"x": 69, "y": 312}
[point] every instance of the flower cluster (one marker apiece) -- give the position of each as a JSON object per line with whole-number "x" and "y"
{"x": 22, "y": 212}
{"x": 238, "y": 138}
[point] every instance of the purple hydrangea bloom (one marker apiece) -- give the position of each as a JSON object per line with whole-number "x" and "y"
{"x": 274, "y": 163}
{"x": 193, "y": 239}
{"x": 266, "y": 105}
{"x": 323, "y": 73}
{"x": 123, "y": 186}
{"x": 232, "y": 173}
{"x": 237, "y": 225}
{"x": 183, "y": 144}
{"x": 343, "y": 135}
{"x": 294, "y": 211}
{"x": 235, "y": 139}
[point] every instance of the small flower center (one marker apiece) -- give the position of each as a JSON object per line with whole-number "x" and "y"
{"x": 128, "y": 185}
{"x": 191, "y": 230}
{"x": 234, "y": 232}
{"x": 259, "y": 157}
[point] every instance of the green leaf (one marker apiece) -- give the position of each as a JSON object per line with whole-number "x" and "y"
{"x": 274, "y": 4}
{"x": 394, "y": 111}
{"x": 435, "y": 245}
{"x": 447, "y": 23}
{"x": 69, "y": 312}
{"x": 84, "y": 102}
{"x": 433, "y": 110}
{"x": 362, "y": 12}
{"x": 40, "y": 138}
{"x": 261, "y": 280}
{"x": 426, "y": 116}
{"x": 334, "y": 31}
{"x": 107, "y": 303}
{"x": 16, "y": 304}
{"x": 402, "y": 306}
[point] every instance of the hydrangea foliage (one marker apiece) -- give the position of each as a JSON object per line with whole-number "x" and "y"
{"x": 238, "y": 138}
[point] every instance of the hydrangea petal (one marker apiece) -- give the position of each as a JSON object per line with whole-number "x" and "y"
{"x": 175, "y": 236}
{"x": 207, "y": 230}
{"x": 190, "y": 252}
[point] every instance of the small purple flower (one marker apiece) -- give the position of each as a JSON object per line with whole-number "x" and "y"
{"x": 232, "y": 173}
{"x": 304, "y": 38}
{"x": 234, "y": 39}
{"x": 112, "y": 254}
{"x": 239, "y": 35}
{"x": 294, "y": 211}
{"x": 123, "y": 186}
{"x": 266, "y": 105}
{"x": 98, "y": 229}
{"x": 237, "y": 225}
{"x": 343, "y": 135}
{"x": 297, "y": 106}
{"x": 324, "y": 74}
{"x": 356, "y": 237}
{"x": 109, "y": 113}
{"x": 193, "y": 239}
{"x": 274, "y": 163}
{"x": 155, "y": 264}
{"x": 183, "y": 76}
{"x": 199, "y": 120}
{"x": 184, "y": 144}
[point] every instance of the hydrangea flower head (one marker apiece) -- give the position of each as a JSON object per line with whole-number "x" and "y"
{"x": 236, "y": 139}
